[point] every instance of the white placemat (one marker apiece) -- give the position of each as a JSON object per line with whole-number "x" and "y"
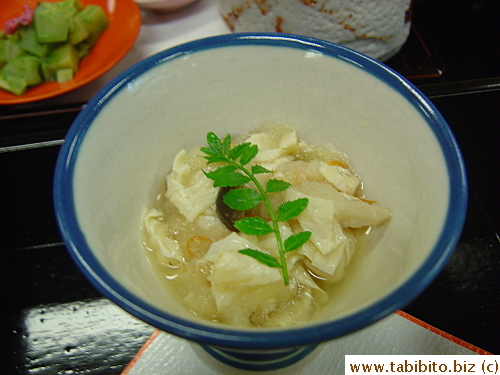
{"x": 397, "y": 334}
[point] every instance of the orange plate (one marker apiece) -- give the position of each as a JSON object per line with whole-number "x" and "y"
{"x": 114, "y": 43}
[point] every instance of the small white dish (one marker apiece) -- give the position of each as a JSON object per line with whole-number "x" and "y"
{"x": 163, "y": 5}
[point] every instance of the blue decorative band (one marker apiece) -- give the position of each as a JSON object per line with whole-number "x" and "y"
{"x": 259, "y": 360}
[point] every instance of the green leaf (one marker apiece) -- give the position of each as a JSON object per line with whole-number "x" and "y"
{"x": 242, "y": 199}
{"x": 236, "y": 151}
{"x": 263, "y": 258}
{"x": 254, "y": 226}
{"x": 213, "y": 141}
{"x": 220, "y": 172}
{"x": 226, "y": 144}
{"x": 248, "y": 154}
{"x": 256, "y": 169}
{"x": 227, "y": 176}
{"x": 214, "y": 159}
{"x": 289, "y": 210}
{"x": 234, "y": 174}
{"x": 297, "y": 240}
{"x": 275, "y": 186}
{"x": 209, "y": 151}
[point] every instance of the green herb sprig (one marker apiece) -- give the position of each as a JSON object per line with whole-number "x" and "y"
{"x": 235, "y": 174}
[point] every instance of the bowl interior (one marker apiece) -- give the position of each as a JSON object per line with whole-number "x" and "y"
{"x": 123, "y": 143}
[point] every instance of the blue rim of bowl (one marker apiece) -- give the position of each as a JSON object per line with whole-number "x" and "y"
{"x": 224, "y": 336}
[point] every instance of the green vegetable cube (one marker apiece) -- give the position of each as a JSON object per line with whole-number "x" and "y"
{"x": 15, "y": 85}
{"x": 12, "y": 50}
{"x": 51, "y": 26}
{"x": 83, "y": 49}
{"x": 64, "y": 75}
{"x": 29, "y": 42}
{"x": 78, "y": 31}
{"x": 13, "y": 37}
{"x": 67, "y": 7}
{"x": 64, "y": 56}
{"x": 25, "y": 66}
{"x": 95, "y": 21}
{"x": 3, "y": 57}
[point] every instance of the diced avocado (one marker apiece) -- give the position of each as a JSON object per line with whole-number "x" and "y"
{"x": 64, "y": 56}
{"x": 12, "y": 50}
{"x": 29, "y": 42}
{"x": 25, "y": 66}
{"x": 15, "y": 85}
{"x": 51, "y": 26}
{"x": 64, "y": 75}
{"x": 95, "y": 20}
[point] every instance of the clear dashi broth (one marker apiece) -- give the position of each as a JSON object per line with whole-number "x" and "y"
{"x": 197, "y": 255}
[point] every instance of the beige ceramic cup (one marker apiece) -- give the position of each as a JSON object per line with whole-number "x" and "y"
{"x": 375, "y": 28}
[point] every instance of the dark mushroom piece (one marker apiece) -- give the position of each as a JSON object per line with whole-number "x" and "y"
{"x": 227, "y": 215}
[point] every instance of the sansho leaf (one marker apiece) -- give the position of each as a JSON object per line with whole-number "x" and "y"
{"x": 226, "y": 145}
{"x": 213, "y": 141}
{"x": 248, "y": 154}
{"x": 254, "y": 226}
{"x": 236, "y": 151}
{"x": 263, "y": 258}
{"x": 289, "y": 210}
{"x": 275, "y": 186}
{"x": 296, "y": 240}
{"x": 242, "y": 199}
{"x": 209, "y": 151}
{"x": 256, "y": 169}
{"x": 227, "y": 176}
{"x": 215, "y": 158}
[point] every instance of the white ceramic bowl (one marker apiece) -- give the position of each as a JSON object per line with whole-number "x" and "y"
{"x": 163, "y": 5}
{"x": 123, "y": 142}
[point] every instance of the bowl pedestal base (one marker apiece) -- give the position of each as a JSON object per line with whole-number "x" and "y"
{"x": 259, "y": 360}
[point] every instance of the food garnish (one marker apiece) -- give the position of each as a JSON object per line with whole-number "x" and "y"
{"x": 235, "y": 173}
{"x": 220, "y": 242}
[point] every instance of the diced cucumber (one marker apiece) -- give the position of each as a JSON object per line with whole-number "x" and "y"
{"x": 64, "y": 75}
{"x": 95, "y": 20}
{"x": 78, "y": 31}
{"x": 67, "y": 7}
{"x": 50, "y": 48}
{"x": 12, "y": 50}
{"x": 25, "y": 66}
{"x": 29, "y": 42}
{"x": 14, "y": 37}
{"x": 64, "y": 56}
{"x": 15, "y": 85}
{"x": 51, "y": 26}
{"x": 83, "y": 49}
{"x": 3, "y": 57}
